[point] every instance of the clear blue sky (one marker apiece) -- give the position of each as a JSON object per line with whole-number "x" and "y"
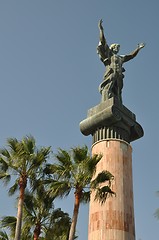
{"x": 49, "y": 75}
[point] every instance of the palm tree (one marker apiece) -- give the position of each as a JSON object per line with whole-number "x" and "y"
{"x": 22, "y": 160}
{"x": 9, "y": 223}
{"x": 59, "y": 226}
{"x": 40, "y": 215}
{"x": 75, "y": 169}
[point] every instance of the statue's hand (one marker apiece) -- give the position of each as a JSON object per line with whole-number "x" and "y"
{"x": 141, "y": 45}
{"x": 100, "y": 24}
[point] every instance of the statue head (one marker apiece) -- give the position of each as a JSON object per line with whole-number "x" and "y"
{"x": 115, "y": 47}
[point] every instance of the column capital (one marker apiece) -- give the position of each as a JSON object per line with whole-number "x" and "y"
{"x": 111, "y": 119}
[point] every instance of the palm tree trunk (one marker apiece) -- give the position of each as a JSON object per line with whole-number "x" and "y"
{"x": 19, "y": 214}
{"x": 37, "y": 231}
{"x": 75, "y": 215}
{"x": 22, "y": 186}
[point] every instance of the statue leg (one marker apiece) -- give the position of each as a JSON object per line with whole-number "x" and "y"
{"x": 119, "y": 87}
{"x": 111, "y": 90}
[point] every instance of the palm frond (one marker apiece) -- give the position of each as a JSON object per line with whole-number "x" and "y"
{"x": 29, "y": 144}
{"x": 49, "y": 169}
{"x": 60, "y": 225}
{"x": 3, "y": 165}
{"x": 21, "y": 152}
{"x": 37, "y": 183}
{"x": 8, "y": 221}
{"x": 80, "y": 154}
{"x": 5, "y": 177}
{"x": 101, "y": 178}
{"x": 45, "y": 151}
{"x": 3, "y": 235}
{"x": 36, "y": 163}
{"x": 16, "y": 154}
{"x": 85, "y": 197}
{"x": 26, "y": 231}
{"x": 28, "y": 202}
{"x": 59, "y": 188}
{"x": 58, "y": 171}
{"x": 13, "y": 189}
{"x": 5, "y": 153}
{"x": 38, "y": 204}
{"x": 33, "y": 176}
{"x": 12, "y": 144}
{"x": 58, "y": 214}
{"x": 41, "y": 156}
{"x": 63, "y": 157}
{"x": 93, "y": 163}
{"x": 102, "y": 193}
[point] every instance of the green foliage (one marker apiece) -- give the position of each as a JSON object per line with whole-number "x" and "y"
{"x": 9, "y": 223}
{"x": 70, "y": 170}
{"x": 39, "y": 208}
{"x": 22, "y": 158}
{"x": 23, "y": 161}
{"x": 101, "y": 178}
{"x": 102, "y": 193}
{"x": 74, "y": 170}
{"x": 14, "y": 188}
{"x": 3, "y": 235}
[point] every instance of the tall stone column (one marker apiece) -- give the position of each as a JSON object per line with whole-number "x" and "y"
{"x": 113, "y": 127}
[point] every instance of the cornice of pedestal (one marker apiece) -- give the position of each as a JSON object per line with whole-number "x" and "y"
{"x": 111, "y": 119}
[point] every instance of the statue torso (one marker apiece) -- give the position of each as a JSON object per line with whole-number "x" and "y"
{"x": 116, "y": 63}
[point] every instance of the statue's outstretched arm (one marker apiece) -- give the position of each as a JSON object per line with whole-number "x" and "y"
{"x": 134, "y": 53}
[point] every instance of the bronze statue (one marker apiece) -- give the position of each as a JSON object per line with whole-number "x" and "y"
{"x": 113, "y": 78}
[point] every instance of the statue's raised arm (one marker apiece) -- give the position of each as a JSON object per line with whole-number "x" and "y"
{"x": 102, "y": 48}
{"x": 101, "y": 33}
